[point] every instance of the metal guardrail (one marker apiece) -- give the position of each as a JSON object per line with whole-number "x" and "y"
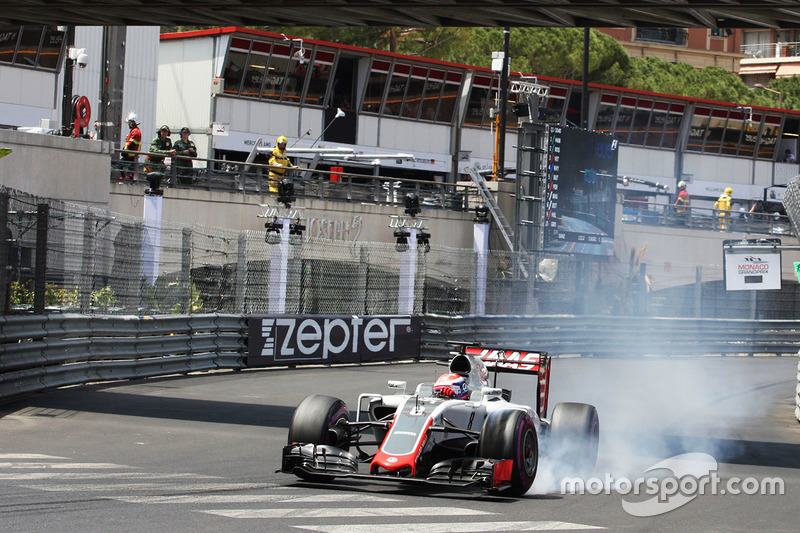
{"x": 701, "y": 218}
{"x": 253, "y": 178}
{"x": 45, "y": 352}
{"x": 614, "y": 336}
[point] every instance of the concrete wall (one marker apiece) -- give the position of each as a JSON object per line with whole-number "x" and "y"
{"x": 347, "y": 221}
{"x": 671, "y": 254}
{"x": 74, "y": 170}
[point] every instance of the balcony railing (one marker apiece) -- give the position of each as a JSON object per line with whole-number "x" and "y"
{"x": 700, "y": 218}
{"x": 253, "y": 178}
{"x": 771, "y": 50}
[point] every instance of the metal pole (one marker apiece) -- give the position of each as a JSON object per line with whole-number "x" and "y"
{"x": 408, "y": 274}
{"x": 585, "y": 84}
{"x": 40, "y": 281}
{"x": 5, "y": 250}
{"x": 87, "y": 270}
{"x": 186, "y": 270}
{"x": 66, "y": 97}
{"x": 501, "y": 147}
{"x": 480, "y": 247}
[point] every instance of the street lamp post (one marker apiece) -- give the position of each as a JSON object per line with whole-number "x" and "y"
{"x": 780, "y": 94}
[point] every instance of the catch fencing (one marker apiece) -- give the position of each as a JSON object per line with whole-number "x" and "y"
{"x": 69, "y": 258}
{"x": 44, "y": 352}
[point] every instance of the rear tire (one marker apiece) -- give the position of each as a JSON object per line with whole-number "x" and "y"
{"x": 316, "y": 421}
{"x": 574, "y": 439}
{"x": 511, "y": 434}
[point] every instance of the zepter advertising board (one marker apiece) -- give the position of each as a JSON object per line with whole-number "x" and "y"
{"x": 317, "y": 339}
{"x": 580, "y": 196}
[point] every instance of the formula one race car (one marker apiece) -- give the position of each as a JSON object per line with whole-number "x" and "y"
{"x": 457, "y": 432}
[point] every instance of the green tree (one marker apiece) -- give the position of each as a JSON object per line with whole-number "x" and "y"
{"x": 553, "y": 52}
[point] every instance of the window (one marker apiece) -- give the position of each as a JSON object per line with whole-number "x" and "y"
{"x": 479, "y": 99}
{"x": 8, "y": 43}
{"x": 321, "y": 69}
{"x": 554, "y": 106}
{"x": 277, "y": 73}
{"x": 716, "y": 131}
{"x": 672, "y": 128}
{"x": 624, "y": 121}
{"x": 449, "y": 96}
{"x": 235, "y": 65}
{"x": 658, "y": 120}
{"x": 256, "y": 69}
{"x": 295, "y": 76}
{"x": 769, "y": 137}
{"x": 28, "y": 49}
{"x": 605, "y": 113}
{"x": 733, "y": 133}
{"x": 376, "y": 84}
{"x": 39, "y": 47}
{"x": 641, "y": 121}
{"x": 699, "y": 129}
{"x": 415, "y": 92}
{"x": 397, "y": 90}
{"x": 750, "y": 134}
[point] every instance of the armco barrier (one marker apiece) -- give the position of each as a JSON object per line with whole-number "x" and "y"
{"x": 615, "y": 336}
{"x": 44, "y": 352}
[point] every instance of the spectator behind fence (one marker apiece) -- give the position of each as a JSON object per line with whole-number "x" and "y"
{"x": 160, "y": 146}
{"x": 185, "y": 149}
{"x": 788, "y": 157}
{"x": 133, "y": 143}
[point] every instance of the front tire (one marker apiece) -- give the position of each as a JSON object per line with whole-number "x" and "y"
{"x": 574, "y": 439}
{"x": 316, "y": 421}
{"x": 511, "y": 434}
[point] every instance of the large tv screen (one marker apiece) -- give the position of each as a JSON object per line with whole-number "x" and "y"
{"x": 580, "y": 192}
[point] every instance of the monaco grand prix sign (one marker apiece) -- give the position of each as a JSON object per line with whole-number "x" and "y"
{"x": 278, "y": 340}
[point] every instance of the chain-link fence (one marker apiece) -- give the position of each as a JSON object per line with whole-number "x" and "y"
{"x": 67, "y": 257}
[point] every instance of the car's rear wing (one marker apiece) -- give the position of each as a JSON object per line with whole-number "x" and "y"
{"x": 519, "y": 362}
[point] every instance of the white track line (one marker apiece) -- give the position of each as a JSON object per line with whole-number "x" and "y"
{"x": 338, "y": 512}
{"x": 24, "y": 456}
{"x": 32, "y": 476}
{"x": 449, "y": 527}
{"x": 60, "y": 466}
{"x": 180, "y": 488}
{"x": 251, "y": 498}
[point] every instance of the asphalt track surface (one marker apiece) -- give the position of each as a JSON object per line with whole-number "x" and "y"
{"x": 199, "y": 453}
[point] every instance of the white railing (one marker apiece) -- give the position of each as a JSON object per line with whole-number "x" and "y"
{"x": 771, "y": 50}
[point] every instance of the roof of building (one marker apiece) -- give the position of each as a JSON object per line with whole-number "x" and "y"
{"x": 435, "y": 13}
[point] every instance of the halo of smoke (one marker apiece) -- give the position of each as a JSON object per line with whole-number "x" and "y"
{"x": 654, "y": 408}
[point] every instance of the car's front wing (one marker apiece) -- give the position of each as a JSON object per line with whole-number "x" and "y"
{"x": 321, "y": 463}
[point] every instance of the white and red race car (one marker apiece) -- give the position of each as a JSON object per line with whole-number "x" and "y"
{"x": 459, "y": 432}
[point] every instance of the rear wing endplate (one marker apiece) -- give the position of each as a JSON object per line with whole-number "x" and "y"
{"x": 518, "y": 362}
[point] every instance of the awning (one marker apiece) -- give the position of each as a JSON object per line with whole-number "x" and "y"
{"x": 757, "y": 69}
{"x": 784, "y": 71}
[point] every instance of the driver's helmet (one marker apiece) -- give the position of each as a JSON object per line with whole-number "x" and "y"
{"x": 451, "y": 386}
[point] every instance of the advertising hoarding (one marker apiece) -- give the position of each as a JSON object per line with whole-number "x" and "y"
{"x": 277, "y": 340}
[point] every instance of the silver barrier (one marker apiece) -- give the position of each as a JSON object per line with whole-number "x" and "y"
{"x": 45, "y": 352}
